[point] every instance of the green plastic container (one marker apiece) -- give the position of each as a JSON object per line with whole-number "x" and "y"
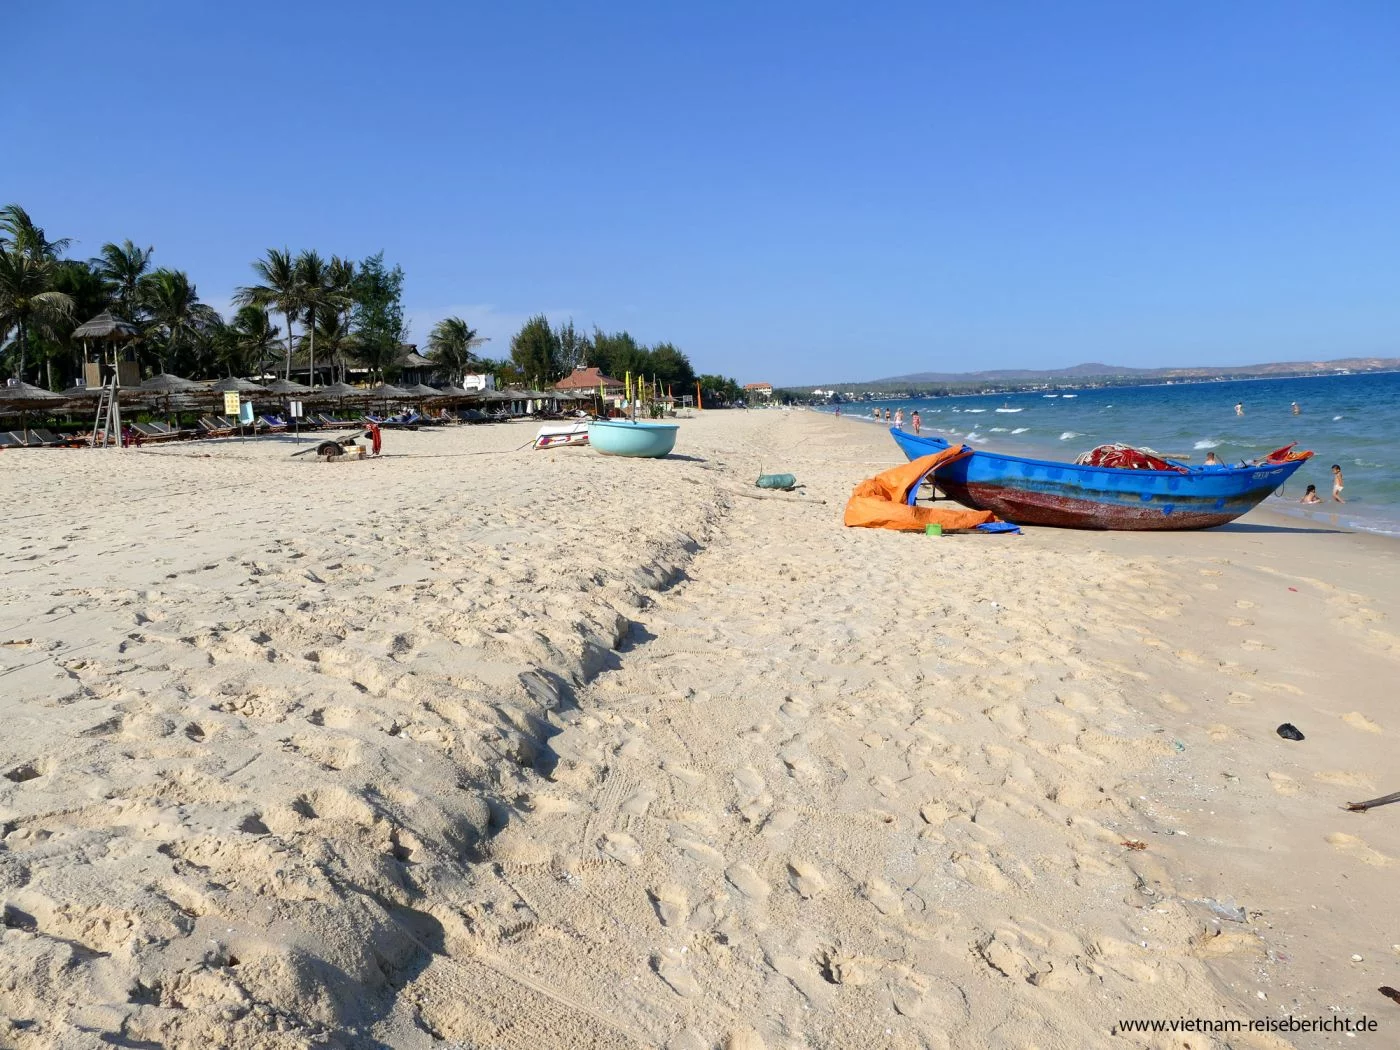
{"x": 933, "y": 530}
{"x": 786, "y": 482}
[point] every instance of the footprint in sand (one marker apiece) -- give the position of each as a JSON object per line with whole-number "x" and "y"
{"x": 744, "y": 1039}
{"x": 671, "y": 905}
{"x": 622, "y": 848}
{"x": 670, "y": 967}
{"x": 747, "y": 780}
{"x": 699, "y": 852}
{"x": 1283, "y": 783}
{"x": 1244, "y": 603}
{"x": 881, "y": 894}
{"x": 805, "y": 879}
{"x": 638, "y": 802}
{"x": 747, "y": 881}
{"x": 688, "y": 777}
{"x": 1238, "y": 699}
{"x": 1345, "y": 779}
{"x": 1357, "y": 720}
{"x": 1357, "y": 847}
{"x": 1240, "y": 621}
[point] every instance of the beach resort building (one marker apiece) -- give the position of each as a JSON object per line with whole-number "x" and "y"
{"x": 763, "y": 390}
{"x": 589, "y": 379}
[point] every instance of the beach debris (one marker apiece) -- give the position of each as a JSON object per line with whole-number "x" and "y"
{"x": 1178, "y": 745}
{"x": 786, "y": 482}
{"x": 1390, "y": 993}
{"x": 1134, "y": 844}
{"x": 1289, "y": 732}
{"x": 1372, "y": 803}
{"x": 1225, "y": 909}
{"x": 1357, "y": 958}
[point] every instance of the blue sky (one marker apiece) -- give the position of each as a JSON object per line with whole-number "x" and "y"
{"x": 792, "y": 193}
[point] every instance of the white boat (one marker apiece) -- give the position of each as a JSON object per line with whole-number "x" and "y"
{"x": 552, "y": 435}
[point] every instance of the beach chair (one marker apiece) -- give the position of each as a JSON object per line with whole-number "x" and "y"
{"x": 11, "y": 440}
{"x": 152, "y": 432}
{"x": 172, "y": 433}
{"x": 46, "y": 438}
{"x": 272, "y": 423}
{"x": 211, "y": 428}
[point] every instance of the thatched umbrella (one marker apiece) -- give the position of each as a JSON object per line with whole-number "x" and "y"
{"x": 340, "y": 390}
{"x": 165, "y": 383}
{"x": 21, "y": 397}
{"x": 107, "y": 327}
{"x": 242, "y": 386}
{"x": 286, "y": 386}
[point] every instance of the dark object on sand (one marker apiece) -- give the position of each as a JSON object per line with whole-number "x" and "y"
{"x": 1384, "y": 800}
{"x": 1389, "y": 992}
{"x": 1289, "y": 731}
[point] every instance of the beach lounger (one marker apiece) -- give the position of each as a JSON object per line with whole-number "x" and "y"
{"x": 10, "y": 440}
{"x": 152, "y": 432}
{"x": 211, "y": 428}
{"x": 273, "y": 423}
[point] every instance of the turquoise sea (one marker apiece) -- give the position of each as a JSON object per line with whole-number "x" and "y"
{"x": 1350, "y": 420}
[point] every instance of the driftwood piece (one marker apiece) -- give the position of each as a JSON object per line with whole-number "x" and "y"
{"x": 1384, "y": 800}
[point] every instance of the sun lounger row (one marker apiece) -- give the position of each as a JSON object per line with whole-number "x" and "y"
{"x": 37, "y": 437}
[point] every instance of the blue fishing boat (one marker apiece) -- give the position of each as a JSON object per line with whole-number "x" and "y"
{"x": 1045, "y": 492}
{"x": 624, "y": 437}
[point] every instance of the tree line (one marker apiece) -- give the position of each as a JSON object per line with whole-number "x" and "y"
{"x": 335, "y": 313}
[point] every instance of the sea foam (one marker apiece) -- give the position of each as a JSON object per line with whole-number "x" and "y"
{"x": 1206, "y": 443}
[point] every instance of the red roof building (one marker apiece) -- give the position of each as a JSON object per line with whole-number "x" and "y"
{"x": 589, "y": 379}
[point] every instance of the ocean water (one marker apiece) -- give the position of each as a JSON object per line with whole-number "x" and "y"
{"x": 1351, "y": 420}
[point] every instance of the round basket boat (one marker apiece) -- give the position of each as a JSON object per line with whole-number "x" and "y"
{"x": 622, "y": 437}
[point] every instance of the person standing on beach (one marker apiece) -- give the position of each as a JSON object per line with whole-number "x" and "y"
{"x": 1337, "y": 483}
{"x": 915, "y": 422}
{"x": 899, "y": 418}
{"x": 887, "y": 415}
{"x": 1239, "y": 408}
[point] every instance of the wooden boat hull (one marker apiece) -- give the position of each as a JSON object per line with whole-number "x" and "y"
{"x": 621, "y": 437}
{"x": 1044, "y": 492}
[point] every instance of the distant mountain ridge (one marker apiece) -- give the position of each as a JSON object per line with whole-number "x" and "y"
{"x": 1097, "y": 370}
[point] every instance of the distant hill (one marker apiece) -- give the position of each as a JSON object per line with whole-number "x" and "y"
{"x": 1097, "y": 371}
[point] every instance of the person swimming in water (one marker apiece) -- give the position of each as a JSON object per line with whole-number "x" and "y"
{"x": 1212, "y": 461}
{"x": 1311, "y": 495}
{"x": 1239, "y": 408}
{"x": 1296, "y": 410}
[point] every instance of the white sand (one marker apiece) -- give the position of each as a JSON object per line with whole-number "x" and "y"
{"x": 546, "y": 749}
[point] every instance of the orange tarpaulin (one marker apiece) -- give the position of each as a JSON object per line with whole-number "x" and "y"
{"x": 882, "y": 502}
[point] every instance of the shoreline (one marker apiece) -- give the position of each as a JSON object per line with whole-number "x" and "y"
{"x": 500, "y": 745}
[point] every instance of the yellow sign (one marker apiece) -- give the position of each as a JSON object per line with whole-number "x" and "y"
{"x": 231, "y": 402}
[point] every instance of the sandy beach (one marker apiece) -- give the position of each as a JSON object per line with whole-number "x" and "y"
{"x": 478, "y": 746}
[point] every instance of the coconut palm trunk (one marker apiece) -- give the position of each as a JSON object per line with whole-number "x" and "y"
{"x": 287, "y": 373}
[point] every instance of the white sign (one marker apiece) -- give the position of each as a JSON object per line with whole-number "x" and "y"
{"x": 294, "y": 409}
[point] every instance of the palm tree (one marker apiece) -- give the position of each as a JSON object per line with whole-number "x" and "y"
{"x": 175, "y": 310}
{"x": 121, "y": 267}
{"x": 333, "y": 336}
{"x": 255, "y": 339}
{"x": 342, "y": 275}
{"x": 318, "y": 299}
{"x": 280, "y": 290}
{"x": 17, "y": 230}
{"x": 28, "y": 301}
{"x": 450, "y": 346}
